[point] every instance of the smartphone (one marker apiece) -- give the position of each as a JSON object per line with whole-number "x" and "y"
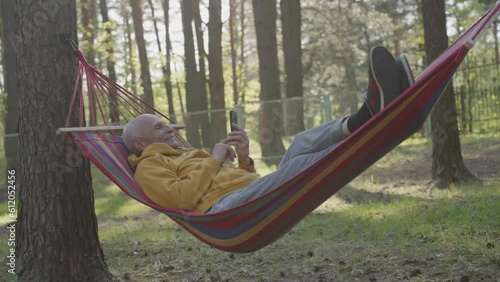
{"x": 233, "y": 118}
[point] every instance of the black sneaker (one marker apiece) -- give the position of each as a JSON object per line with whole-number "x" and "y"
{"x": 405, "y": 73}
{"x": 384, "y": 80}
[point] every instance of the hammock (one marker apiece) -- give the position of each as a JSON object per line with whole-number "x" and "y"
{"x": 258, "y": 223}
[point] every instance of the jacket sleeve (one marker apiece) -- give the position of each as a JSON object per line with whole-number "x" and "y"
{"x": 164, "y": 187}
{"x": 249, "y": 168}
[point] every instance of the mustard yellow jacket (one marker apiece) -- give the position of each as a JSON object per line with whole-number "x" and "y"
{"x": 186, "y": 179}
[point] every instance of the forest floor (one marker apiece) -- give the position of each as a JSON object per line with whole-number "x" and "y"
{"x": 386, "y": 225}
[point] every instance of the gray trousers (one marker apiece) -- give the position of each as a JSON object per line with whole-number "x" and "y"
{"x": 307, "y": 148}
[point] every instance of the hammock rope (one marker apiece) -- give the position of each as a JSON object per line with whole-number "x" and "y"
{"x": 258, "y": 223}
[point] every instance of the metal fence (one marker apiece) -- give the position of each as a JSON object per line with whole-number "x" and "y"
{"x": 477, "y": 93}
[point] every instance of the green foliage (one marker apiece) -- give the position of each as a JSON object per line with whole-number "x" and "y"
{"x": 342, "y": 32}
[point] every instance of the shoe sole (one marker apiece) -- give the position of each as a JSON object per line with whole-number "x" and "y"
{"x": 403, "y": 63}
{"x": 386, "y": 74}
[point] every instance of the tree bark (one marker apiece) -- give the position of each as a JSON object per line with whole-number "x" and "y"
{"x": 217, "y": 102}
{"x": 192, "y": 103}
{"x": 271, "y": 116}
{"x": 143, "y": 55}
{"x": 56, "y": 236}
{"x": 447, "y": 161}
{"x": 11, "y": 139}
{"x": 292, "y": 51}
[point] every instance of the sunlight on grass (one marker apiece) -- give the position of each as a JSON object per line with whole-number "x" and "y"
{"x": 5, "y": 218}
{"x": 382, "y": 219}
{"x": 464, "y": 215}
{"x": 110, "y": 201}
{"x": 463, "y": 220}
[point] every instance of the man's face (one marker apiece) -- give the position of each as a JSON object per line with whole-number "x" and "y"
{"x": 156, "y": 130}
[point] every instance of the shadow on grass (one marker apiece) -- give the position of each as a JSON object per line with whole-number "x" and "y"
{"x": 352, "y": 195}
{"x": 382, "y": 238}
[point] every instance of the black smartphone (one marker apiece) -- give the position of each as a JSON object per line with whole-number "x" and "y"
{"x": 233, "y": 118}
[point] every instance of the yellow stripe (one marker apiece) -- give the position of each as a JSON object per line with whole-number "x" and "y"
{"x": 356, "y": 146}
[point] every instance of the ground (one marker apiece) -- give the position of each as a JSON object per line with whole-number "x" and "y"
{"x": 330, "y": 246}
{"x": 335, "y": 243}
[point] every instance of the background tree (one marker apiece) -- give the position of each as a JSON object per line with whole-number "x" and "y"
{"x": 271, "y": 114}
{"x": 129, "y": 50}
{"x": 232, "y": 44}
{"x": 292, "y": 51}
{"x": 108, "y": 42}
{"x": 89, "y": 30}
{"x": 168, "y": 70}
{"x": 237, "y": 26}
{"x": 243, "y": 68}
{"x": 11, "y": 144}
{"x": 89, "y": 24}
{"x": 165, "y": 71}
{"x": 340, "y": 35}
{"x": 201, "y": 78}
{"x": 447, "y": 161}
{"x": 143, "y": 55}
{"x": 349, "y": 102}
{"x": 192, "y": 101}
{"x": 57, "y": 228}
{"x": 216, "y": 82}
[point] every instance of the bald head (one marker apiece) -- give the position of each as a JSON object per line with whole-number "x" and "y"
{"x": 145, "y": 130}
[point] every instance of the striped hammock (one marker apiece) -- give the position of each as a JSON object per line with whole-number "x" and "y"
{"x": 256, "y": 224}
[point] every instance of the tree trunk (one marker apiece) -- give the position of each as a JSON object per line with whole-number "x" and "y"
{"x": 292, "y": 50}
{"x": 243, "y": 80}
{"x": 143, "y": 56}
{"x": 192, "y": 100}
{"x": 11, "y": 140}
{"x": 447, "y": 161}
{"x": 271, "y": 116}
{"x": 158, "y": 43}
{"x": 166, "y": 76}
{"x": 56, "y": 236}
{"x": 129, "y": 48}
{"x": 110, "y": 57}
{"x": 202, "y": 79}
{"x": 350, "y": 99}
{"x": 217, "y": 102}
{"x": 89, "y": 35}
{"x": 232, "y": 39}
{"x": 168, "y": 71}
{"x": 88, "y": 31}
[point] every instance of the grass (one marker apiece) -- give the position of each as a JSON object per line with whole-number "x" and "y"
{"x": 386, "y": 225}
{"x": 450, "y": 237}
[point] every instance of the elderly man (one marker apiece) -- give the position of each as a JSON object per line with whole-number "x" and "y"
{"x": 193, "y": 180}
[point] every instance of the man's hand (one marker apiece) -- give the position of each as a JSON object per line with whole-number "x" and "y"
{"x": 239, "y": 139}
{"x": 223, "y": 151}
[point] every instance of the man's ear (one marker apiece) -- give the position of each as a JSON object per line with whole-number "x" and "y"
{"x": 137, "y": 145}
